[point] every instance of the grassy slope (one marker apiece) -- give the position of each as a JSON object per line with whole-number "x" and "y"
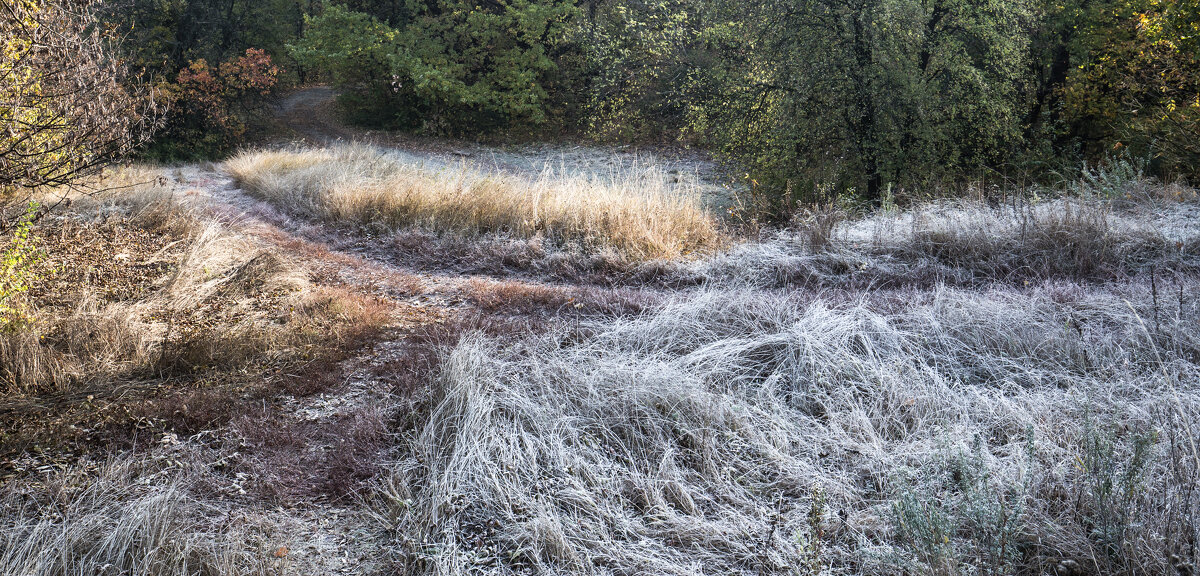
{"x": 959, "y": 388}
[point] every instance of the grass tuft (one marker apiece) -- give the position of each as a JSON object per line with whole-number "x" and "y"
{"x": 636, "y": 214}
{"x": 114, "y": 524}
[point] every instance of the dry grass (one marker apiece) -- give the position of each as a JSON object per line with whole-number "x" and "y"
{"x": 635, "y": 213}
{"x": 1074, "y": 238}
{"x": 959, "y": 389}
{"x": 152, "y": 322}
{"x": 134, "y": 286}
{"x": 124, "y": 520}
{"x": 149, "y": 318}
{"x": 746, "y": 433}
{"x": 1041, "y": 418}
{"x": 519, "y": 298}
{"x": 970, "y": 243}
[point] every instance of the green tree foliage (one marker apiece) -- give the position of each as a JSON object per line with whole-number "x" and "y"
{"x": 1140, "y": 84}
{"x": 859, "y": 95}
{"x": 355, "y": 52}
{"x": 450, "y": 65}
{"x": 640, "y": 66}
{"x": 164, "y": 36}
{"x": 810, "y": 98}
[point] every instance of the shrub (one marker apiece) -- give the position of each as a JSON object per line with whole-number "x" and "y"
{"x": 212, "y": 108}
{"x": 67, "y": 104}
{"x": 16, "y": 272}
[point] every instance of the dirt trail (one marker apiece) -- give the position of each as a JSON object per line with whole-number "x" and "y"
{"x": 418, "y": 297}
{"x": 323, "y": 537}
{"x": 354, "y": 259}
{"x": 311, "y": 113}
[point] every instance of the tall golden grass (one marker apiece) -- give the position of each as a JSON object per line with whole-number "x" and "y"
{"x": 636, "y": 213}
{"x": 225, "y": 299}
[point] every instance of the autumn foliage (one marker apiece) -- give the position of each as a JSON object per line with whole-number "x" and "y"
{"x": 1141, "y": 87}
{"x": 213, "y": 107}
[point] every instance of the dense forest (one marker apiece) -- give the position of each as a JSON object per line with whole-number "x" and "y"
{"x": 809, "y": 99}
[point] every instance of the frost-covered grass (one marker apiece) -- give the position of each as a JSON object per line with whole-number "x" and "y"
{"x": 119, "y": 522}
{"x": 973, "y": 244}
{"x": 746, "y": 432}
{"x": 959, "y": 389}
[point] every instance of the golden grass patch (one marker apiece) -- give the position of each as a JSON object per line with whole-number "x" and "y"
{"x": 134, "y": 286}
{"x": 637, "y": 214}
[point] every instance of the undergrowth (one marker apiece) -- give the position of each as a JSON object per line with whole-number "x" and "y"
{"x": 16, "y": 261}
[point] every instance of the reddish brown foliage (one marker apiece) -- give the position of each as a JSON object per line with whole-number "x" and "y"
{"x": 212, "y": 106}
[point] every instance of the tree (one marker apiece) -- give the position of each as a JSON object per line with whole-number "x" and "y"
{"x": 212, "y": 108}
{"x": 66, "y": 102}
{"x": 863, "y": 94}
{"x": 641, "y": 66}
{"x": 452, "y": 65}
{"x": 164, "y": 36}
{"x": 1138, "y": 85}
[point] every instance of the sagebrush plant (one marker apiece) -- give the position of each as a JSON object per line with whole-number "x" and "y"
{"x": 969, "y": 517}
{"x": 1113, "y": 466}
{"x": 17, "y": 262}
{"x": 1119, "y": 176}
{"x": 925, "y": 527}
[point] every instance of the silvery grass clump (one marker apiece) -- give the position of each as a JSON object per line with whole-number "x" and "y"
{"x": 127, "y": 520}
{"x": 972, "y": 243}
{"x": 741, "y": 432}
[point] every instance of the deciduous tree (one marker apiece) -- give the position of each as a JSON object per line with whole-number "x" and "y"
{"x": 67, "y": 104}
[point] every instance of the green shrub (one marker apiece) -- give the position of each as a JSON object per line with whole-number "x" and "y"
{"x": 16, "y": 272}
{"x": 448, "y": 66}
{"x": 966, "y": 516}
{"x": 1111, "y": 469}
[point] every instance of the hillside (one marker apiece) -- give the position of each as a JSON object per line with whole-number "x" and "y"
{"x": 363, "y": 354}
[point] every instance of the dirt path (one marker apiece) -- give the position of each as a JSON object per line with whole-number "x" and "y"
{"x": 418, "y": 296}
{"x": 311, "y": 113}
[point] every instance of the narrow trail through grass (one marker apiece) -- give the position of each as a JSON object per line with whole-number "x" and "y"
{"x": 955, "y": 388}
